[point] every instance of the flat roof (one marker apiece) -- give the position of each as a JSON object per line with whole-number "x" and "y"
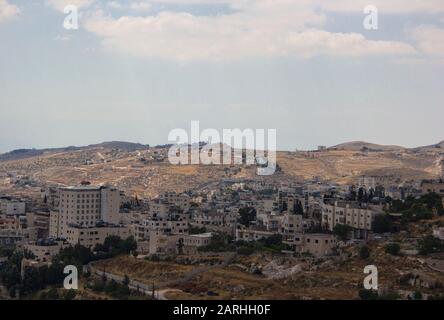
{"x": 82, "y": 188}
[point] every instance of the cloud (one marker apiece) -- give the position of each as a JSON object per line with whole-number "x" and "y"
{"x": 61, "y": 4}
{"x": 262, "y": 28}
{"x": 8, "y": 11}
{"x": 383, "y": 6}
{"x": 140, "y": 6}
{"x": 429, "y": 40}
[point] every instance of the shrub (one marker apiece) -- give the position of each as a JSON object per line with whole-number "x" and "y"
{"x": 393, "y": 249}
{"x": 364, "y": 252}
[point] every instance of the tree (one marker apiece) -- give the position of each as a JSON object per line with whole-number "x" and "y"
{"x": 417, "y": 295}
{"x": 365, "y": 294}
{"x": 393, "y": 249}
{"x": 382, "y": 223}
{"x": 361, "y": 194}
{"x": 364, "y": 252}
{"x": 430, "y": 244}
{"x": 126, "y": 280}
{"x": 342, "y": 231}
{"x": 298, "y": 209}
{"x": 247, "y": 214}
{"x": 70, "y": 294}
{"x": 31, "y": 280}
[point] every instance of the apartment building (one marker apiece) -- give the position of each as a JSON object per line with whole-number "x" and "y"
{"x": 251, "y": 234}
{"x": 224, "y": 220}
{"x": 9, "y": 223}
{"x": 164, "y": 224}
{"x": 316, "y": 244}
{"x": 38, "y": 221}
{"x": 192, "y": 242}
{"x": 351, "y": 214}
{"x": 433, "y": 186}
{"x": 179, "y": 200}
{"x": 45, "y": 250}
{"x": 12, "y": 207}
{"x": 85, "y": 206}
{"x": 91, "y": 236}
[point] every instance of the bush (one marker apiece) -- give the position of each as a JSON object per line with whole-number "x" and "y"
{"x": 393, "y": 249}
{"x": 365, "y": 294}
{"x": 245, "y": 250}
{"x": 364, "y": 252}
{"x": 382, "y": 223}
{"x": 342, "y": 231}
{"x": 70, "y": 295}
{"x": 430, "y": 244}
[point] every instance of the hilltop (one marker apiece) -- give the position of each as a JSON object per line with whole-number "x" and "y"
{"x": 361, "y": 145}
{"x": 27, "y": 153}
{"x": 146, "y": 171}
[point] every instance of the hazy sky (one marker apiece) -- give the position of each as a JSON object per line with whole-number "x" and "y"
{"x": 136, "y": 69}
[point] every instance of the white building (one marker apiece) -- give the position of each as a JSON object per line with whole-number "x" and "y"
{"x": 11, "y": 207}
{"x": 316, "y": 244}
{"x": 351, "y": 214}
{"x": 85, "y": 206}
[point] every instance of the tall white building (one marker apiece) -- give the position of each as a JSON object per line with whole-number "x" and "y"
{"x": 85, "y": 206}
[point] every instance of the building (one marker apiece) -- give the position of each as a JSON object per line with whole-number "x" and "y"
{"x": 11, "y": 207}
{"x": 316, "y": 244}
{"x": 252, "y": 234}
{"x": 191, "y": 242}
{"x": 181, "y": 201}
{"x": 351, "y": 214}
{"x": 224, "y": 221}
{"x": 9, "y": 223}
{"x": 433, "y": 186}
{"x": 161, "y": 244}
{"x": 38, "y": 221}
{"x": 91, "y": 236}
{"x": 367, "y": 183}
{"x": 9, "y": 237}
{"x": 45, "y": 250}
{"x": 85, "y": 206}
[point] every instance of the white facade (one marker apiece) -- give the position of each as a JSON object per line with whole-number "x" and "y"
{"x": 85, "y": 206}
{"x": 12, "y": 207}
{"x": 345, "y": 213}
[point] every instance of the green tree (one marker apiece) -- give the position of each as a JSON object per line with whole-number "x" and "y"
{"x": 365, "y": 294}
{"x": 247, "y": 215}
{"x": 393, "y": 249}
{"x": 417, "y": 295}
{"x": 430, "y": 244}
{"x": 364, "y": 252}
{"x": 70, "y": 294}
{"x": 342, "y": 231}
{"x": 382, "y": 223}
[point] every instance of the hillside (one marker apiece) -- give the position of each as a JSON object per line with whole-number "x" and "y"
{"x": 27, "y": 153}
{"x": 137, "y": 169}
{"x": 360, "y": 145}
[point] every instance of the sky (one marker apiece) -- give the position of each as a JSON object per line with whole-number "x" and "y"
{"x": 136, "y": 69}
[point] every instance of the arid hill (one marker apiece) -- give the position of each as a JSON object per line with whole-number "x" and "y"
{"x": 145, "y": 171}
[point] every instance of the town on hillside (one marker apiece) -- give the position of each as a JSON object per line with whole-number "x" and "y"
{"x": 236, "y": 237}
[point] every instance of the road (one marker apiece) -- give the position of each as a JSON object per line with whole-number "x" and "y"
{"x": 162, "y": 289}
